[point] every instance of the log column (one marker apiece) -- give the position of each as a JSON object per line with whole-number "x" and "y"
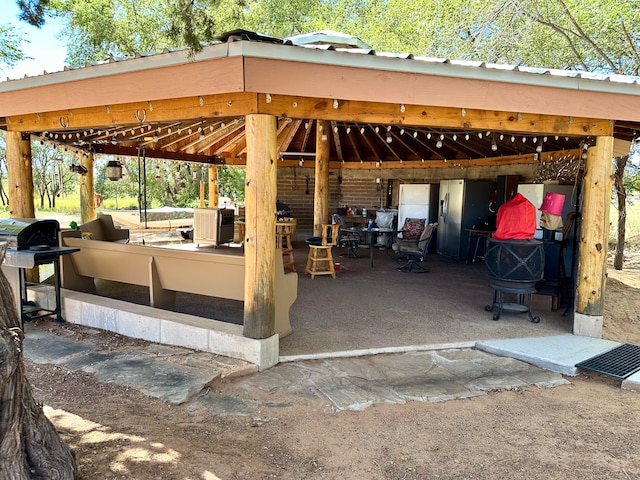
{"x": 594, "y": 235}
{"x": 214, "y": 193}
{"x": 87, "y": 194}
{"x": 260, "y": 227}
{"x": 321, "y": 190}
{"x": 20, "y": 176}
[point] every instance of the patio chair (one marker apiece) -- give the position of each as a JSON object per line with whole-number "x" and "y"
{"x": 347, "y": 238}
{"x": 103, "y": 228}
{"x": 414, "y": 251}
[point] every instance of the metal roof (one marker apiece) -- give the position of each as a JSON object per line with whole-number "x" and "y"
{"x": 343, "y": 43}
{"x": 354, "y": 141}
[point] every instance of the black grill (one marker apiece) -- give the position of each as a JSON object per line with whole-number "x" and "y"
{"x": 620, "y": 362}
{"x": 30, "y": 233}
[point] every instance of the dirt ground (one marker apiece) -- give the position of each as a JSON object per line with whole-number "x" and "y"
{"x": 586, "y": 430}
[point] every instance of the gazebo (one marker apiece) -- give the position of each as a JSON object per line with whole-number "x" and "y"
{"x": 330, "y": 102}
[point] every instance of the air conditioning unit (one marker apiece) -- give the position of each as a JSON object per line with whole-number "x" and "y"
{"x": 213, "y": 226}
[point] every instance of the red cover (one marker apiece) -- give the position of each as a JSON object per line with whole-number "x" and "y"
{"x": 516, "y": 219}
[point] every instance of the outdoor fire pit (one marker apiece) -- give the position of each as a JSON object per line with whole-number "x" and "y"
{"x": 514, "y": 267}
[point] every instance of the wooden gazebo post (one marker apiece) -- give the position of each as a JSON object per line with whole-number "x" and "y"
{"x": 592, "y": 267}
{"x": 87, "y": 194}
{"x": 20, "y": 176}
{"x": 321, "y": 186}
{"x": 260, "y": 227}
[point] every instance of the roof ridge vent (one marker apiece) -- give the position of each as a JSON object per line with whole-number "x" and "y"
{"x": 329, "y": 37}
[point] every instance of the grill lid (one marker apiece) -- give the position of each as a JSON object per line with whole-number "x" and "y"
{"x": 30, "y": 233}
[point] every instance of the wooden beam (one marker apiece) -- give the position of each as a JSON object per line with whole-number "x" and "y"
{"x": 523, "y": 159}
{"x": 431, "y": 116}
{"x": 321, "y": 186}
{"x": 594, "y": 235}
{"x": 109, "y": 149}
{"x": 260, "y": 227}
{"x": 139, "y": 113}
{"x": 20, "y": 176}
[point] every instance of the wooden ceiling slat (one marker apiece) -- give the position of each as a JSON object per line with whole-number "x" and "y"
{"x": 221, "y": 136}
{"x": 336, "y": 139}
{"x": 370, "y": 144}
{"x": 352, "y": 136}
{"x": 285, "y": 139}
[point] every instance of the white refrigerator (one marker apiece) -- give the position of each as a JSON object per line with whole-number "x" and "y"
{"x": 417, "y": 200}
{"x": 535, "y": 192}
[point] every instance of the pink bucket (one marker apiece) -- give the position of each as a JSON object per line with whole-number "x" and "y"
{"x": 552, "y": 203}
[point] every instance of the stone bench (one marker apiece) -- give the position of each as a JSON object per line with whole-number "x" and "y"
{"x": 166, "y": 271}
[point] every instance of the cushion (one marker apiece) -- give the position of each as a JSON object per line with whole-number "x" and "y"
{"x": 384, "y": 219}
{"x": 413, "y": 228}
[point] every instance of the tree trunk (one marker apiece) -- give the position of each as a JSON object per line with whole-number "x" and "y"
{"x": 31, "y": 448}
{"x": 621, "y": 194}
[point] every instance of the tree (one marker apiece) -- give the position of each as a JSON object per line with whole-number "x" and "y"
{"x": 31, "y": 447}
{"x": 4, "y": 197}
{"x": 51, "y": 175}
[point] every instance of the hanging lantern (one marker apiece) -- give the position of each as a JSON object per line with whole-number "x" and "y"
{"x": 157, "y": 172}
{"x": 114, "y": 170}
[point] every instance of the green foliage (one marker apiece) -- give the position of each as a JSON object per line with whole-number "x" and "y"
{"x": 99, "y": 29}
{"x": 10, "y": 51}
{"x": 33, "y": 11}
{"x": 231, "y": 182}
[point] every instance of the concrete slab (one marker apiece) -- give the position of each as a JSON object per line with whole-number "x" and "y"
{"x": 358, "y": 383}
{"x": 558, "y": 353}
{"x": 632, "y": 382}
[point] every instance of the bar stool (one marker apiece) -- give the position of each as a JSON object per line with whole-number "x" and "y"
{"x": 320, "y": 259}
{"x": 284, "y": 241}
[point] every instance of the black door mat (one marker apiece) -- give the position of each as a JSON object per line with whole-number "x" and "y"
{"x": 620, "y": 362}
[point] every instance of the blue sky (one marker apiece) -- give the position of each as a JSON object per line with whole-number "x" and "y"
{"x": 47, "y": 52}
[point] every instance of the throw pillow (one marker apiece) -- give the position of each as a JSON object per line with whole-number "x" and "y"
{"x": 413, "y": 228}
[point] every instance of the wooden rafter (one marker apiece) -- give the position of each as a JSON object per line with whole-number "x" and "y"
{"x": 336, "y": 140}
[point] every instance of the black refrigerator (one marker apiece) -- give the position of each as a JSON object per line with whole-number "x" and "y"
{"x": 462, "y": 204}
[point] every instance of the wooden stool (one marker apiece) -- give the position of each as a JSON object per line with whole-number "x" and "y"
{"x": 320, "y": 259}
{"x": 284, "y": 241}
